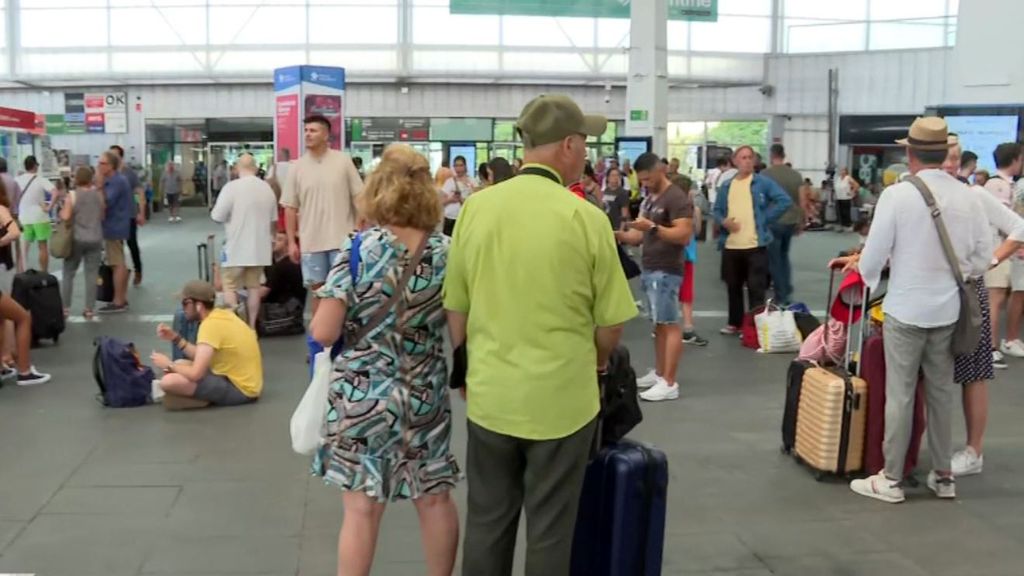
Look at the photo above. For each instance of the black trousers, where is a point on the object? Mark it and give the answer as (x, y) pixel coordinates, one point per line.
(133, 247)
(744, 268)
(844, 207)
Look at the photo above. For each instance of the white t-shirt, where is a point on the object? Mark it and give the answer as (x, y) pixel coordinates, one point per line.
(844, 188)
(30, 210)
(465, 187)
(247, 208)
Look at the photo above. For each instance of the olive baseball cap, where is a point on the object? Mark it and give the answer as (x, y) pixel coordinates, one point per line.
(199, 291)
(551, 117)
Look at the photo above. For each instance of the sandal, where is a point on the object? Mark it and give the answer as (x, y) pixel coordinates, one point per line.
(88, 314)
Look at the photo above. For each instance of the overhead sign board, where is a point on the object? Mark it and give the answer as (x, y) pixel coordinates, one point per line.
(693, 10)
(391, 129)
(96, 112)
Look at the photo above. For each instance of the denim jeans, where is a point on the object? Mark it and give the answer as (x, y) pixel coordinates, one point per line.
(778, 262)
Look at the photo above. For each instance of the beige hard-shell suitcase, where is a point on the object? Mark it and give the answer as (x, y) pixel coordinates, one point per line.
(831, 421)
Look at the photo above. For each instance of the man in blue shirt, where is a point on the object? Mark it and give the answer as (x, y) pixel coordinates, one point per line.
(116, 225)
(139, 198)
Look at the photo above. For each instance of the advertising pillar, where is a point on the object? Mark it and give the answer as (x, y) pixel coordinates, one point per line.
(302, 91)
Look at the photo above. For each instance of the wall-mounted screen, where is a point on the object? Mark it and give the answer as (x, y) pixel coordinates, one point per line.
(981, 135)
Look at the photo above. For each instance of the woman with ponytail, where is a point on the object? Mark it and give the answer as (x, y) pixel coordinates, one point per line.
(388, 418)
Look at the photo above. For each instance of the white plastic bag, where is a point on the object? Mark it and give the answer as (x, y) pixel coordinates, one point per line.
(308, 419)
(777, 331)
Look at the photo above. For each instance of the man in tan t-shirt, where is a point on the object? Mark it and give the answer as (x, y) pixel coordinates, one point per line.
(319, 200)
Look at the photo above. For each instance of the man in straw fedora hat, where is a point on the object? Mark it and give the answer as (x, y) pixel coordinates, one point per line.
(922, 302)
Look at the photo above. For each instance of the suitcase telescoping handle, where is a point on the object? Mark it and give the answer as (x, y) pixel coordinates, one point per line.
(203, 258)
(862, 330)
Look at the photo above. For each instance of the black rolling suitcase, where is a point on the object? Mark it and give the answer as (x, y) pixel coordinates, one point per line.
(105, 284)
(39, 293)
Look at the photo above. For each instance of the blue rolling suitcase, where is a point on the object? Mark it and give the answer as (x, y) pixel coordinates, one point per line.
(620, 527)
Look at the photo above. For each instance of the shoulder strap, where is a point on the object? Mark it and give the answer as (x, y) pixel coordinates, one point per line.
(354, 256)
(29, 183)
(534, 171)
(940, 226)
(396, 296)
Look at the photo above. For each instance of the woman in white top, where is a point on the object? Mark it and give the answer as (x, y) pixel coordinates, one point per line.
(455, 192)
(973, 370)
(846, 191)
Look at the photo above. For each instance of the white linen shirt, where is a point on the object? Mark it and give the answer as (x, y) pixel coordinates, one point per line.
(922, 290)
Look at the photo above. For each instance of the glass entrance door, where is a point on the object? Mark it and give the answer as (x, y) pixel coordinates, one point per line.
(222, 157)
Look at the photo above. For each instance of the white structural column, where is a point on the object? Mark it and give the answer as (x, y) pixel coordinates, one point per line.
(986, 67)
(647, 87)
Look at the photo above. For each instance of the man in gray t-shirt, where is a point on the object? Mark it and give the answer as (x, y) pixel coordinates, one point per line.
(664, 229)
(787, 226)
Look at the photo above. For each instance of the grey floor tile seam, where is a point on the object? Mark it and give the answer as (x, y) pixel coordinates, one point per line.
(302, 529)
(757, 556)
(63, 484)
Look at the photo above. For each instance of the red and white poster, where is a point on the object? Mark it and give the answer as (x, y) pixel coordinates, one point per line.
(287, 126)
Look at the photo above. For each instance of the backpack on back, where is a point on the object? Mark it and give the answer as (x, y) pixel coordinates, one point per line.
(122, 378)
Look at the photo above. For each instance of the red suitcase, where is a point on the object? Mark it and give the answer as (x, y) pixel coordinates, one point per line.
(873, 370)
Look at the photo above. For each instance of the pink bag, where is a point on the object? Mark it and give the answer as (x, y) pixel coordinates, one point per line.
(817, 348)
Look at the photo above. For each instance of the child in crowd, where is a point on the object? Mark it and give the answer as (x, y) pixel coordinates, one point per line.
(700, 204)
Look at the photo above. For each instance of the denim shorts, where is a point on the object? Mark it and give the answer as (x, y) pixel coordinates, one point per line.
(316, 266)
(661, 293)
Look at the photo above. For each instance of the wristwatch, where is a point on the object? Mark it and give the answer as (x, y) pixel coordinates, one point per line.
(654, 230)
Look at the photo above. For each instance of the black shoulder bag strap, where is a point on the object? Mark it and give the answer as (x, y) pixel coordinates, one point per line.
(535, 171)
(396, 298)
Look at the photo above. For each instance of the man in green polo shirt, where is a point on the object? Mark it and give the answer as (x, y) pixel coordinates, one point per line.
(535, 288)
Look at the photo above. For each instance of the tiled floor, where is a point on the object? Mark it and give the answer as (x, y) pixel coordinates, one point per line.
(92, 491)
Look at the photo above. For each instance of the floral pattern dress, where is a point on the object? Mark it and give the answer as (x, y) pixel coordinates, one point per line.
(388, 425)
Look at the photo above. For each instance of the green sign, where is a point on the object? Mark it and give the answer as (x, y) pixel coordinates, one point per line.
(694, 10)
(57, 124)
(638, 115)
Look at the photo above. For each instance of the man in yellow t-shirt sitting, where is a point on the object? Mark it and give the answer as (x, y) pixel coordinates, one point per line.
(224, 366)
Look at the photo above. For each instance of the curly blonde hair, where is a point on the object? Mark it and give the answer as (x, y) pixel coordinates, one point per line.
(400, 192)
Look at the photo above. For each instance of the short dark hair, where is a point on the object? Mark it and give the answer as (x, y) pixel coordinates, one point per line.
(318, 119)
(777, 151)
(588, 171)
(722, 161)
(118, 150)
(929, 157)
(1006, 154)
(616, 170)
(458, 158)
(664, 161)
(482, 170)
(31, 163)
(646, 161)
(358, 161)
(967, 158)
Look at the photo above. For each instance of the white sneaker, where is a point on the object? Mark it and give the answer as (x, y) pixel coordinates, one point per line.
(661, 391)
(650, 379)
(967, 462)
(177, 219)
(170, 219)
(998, 360)
(880, 488)
(943, 487)
(1013, 348)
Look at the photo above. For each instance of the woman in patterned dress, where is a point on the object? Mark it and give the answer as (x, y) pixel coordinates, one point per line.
(389, 419)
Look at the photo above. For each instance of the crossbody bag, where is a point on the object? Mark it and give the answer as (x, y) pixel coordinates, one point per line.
(967, 332)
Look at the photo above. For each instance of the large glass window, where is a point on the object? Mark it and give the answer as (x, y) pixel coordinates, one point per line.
(856, 25)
